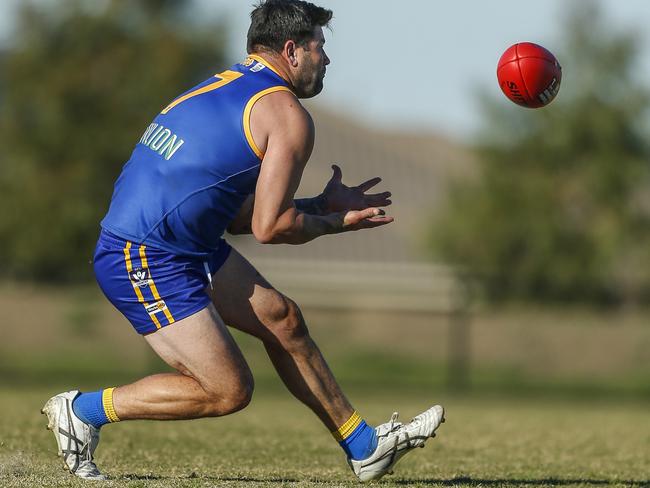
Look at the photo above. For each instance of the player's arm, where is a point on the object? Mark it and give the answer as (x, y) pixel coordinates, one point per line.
(287, 133)
(241, 224)
(335, 197)
(289, 141)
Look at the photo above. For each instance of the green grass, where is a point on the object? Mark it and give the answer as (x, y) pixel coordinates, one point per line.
(553, 399)
(486, 442)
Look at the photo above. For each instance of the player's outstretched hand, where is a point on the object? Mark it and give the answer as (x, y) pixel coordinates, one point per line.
(340, 197)
(365, 219)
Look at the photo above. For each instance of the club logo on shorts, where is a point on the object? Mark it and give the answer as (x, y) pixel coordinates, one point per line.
(140, 277)
(154, 308)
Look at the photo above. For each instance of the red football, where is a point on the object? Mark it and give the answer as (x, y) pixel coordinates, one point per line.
(529, 75)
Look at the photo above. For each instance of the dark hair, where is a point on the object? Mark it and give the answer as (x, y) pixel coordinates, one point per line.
(274, 22)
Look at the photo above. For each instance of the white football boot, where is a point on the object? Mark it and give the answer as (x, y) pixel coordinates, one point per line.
(76, 440)
(395, 439)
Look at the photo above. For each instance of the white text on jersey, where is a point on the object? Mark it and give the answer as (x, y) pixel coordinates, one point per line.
(161, 140)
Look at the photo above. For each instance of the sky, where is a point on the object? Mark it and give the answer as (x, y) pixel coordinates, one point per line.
(419, 65)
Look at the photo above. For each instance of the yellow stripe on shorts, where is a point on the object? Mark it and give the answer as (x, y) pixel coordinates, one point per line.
(152, 285)
(138, 292)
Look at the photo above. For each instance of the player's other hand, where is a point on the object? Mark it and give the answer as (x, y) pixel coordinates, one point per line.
(340, 197)
(365, 219)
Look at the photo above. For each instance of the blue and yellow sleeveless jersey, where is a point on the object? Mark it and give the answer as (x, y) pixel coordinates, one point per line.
(194, 165)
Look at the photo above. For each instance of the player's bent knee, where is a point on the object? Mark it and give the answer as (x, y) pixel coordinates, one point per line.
(286, 322)
(235, 397)
(237, 400)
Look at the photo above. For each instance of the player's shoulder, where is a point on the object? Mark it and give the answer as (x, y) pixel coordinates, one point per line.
(280, 120)
(284, 101)
(282, 108)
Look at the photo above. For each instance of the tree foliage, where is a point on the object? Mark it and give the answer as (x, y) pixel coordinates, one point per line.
(78, 86)
(560, 210)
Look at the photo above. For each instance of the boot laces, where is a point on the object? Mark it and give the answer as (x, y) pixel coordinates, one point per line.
(394, 424)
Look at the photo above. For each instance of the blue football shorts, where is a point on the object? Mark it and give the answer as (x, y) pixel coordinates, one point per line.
(151, 287)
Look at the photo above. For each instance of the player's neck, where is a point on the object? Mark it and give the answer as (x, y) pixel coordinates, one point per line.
(276, 63)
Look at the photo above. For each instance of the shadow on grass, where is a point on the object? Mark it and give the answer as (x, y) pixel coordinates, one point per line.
(464, 480)
(243, 479)
(461, 480)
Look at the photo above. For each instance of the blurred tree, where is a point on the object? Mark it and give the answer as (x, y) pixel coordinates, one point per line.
(80, 83)
(560, 209)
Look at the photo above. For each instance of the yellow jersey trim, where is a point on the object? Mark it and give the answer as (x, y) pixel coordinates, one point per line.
(266, 63)
(247, 116)
(225, 78)
(348, 427)
(107, 402)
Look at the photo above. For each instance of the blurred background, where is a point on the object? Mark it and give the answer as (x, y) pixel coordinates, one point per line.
(519, 261)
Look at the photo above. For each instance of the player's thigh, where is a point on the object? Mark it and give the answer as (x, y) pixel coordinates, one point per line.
(201, 346)
(247, 301)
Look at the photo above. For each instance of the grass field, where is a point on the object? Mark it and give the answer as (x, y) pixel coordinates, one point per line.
(277, 442)
(555, 398)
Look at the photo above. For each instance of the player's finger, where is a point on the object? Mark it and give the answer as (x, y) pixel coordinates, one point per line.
(374, 217)
(367, 185)
(353, 218)
(380, 219)
(377, 199)
(384, 194)
(378, 202)
(337, 173)
(376, 222)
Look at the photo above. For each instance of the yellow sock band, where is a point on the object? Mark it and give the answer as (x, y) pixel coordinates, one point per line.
(107, 402)
(347, 428)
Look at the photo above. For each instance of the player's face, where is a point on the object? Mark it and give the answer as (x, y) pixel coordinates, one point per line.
(311, 68)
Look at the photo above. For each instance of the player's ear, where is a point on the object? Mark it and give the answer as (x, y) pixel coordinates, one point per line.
(290, 53)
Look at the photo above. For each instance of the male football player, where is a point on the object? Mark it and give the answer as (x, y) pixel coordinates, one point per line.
(228, 155)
